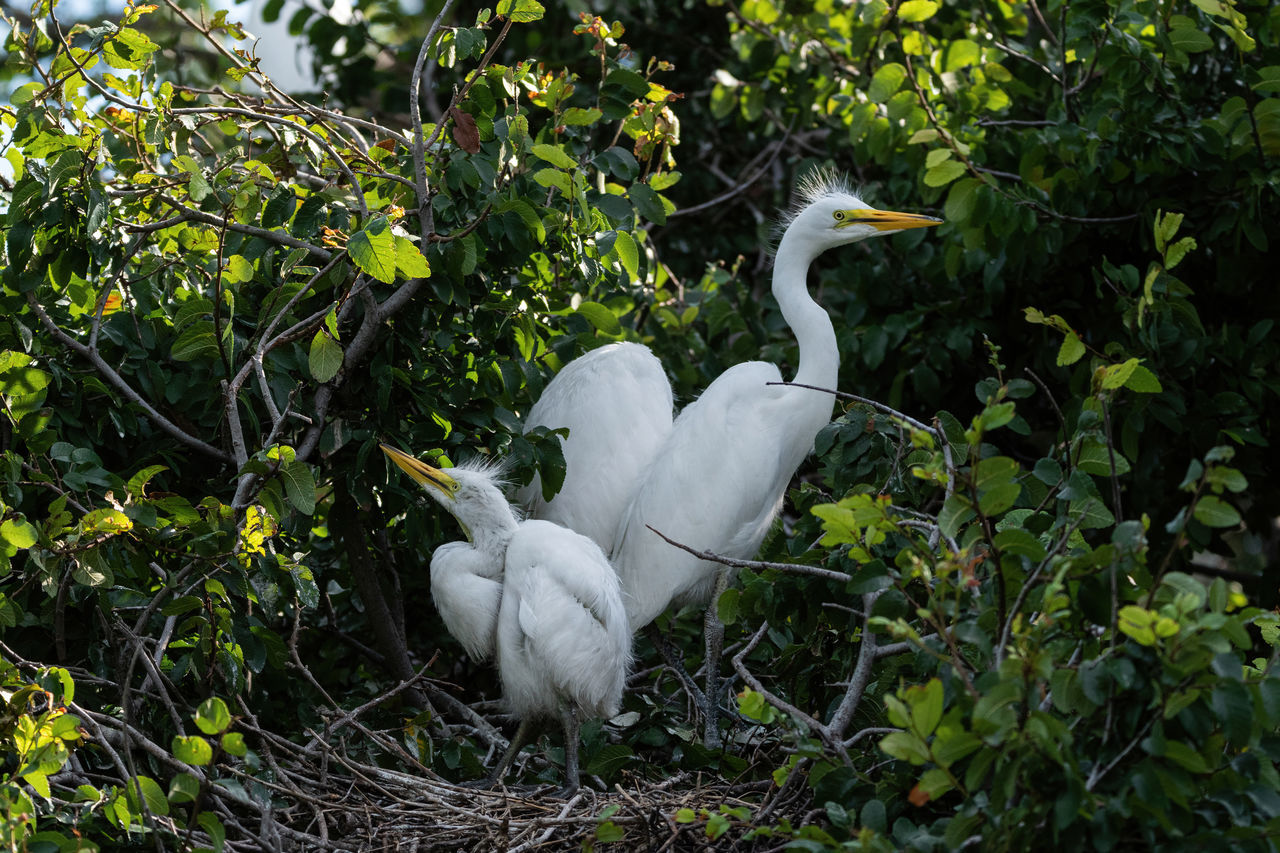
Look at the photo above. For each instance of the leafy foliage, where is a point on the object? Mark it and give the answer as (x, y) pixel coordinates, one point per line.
(218, 298)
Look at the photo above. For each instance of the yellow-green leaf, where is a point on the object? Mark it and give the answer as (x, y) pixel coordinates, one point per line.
(325, 357)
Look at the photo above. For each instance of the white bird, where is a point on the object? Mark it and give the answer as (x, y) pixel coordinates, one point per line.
(539, 595)
(718, 479)
(616, 402)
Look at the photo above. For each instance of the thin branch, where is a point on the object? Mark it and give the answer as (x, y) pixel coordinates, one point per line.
(791, 568)
(415, 114)
(741, 186)
(269, 234)
(118, 381)
(844, 395)
(310, 134)
(861, 672)
(781, 704)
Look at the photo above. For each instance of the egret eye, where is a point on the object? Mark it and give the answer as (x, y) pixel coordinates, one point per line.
(839, 215)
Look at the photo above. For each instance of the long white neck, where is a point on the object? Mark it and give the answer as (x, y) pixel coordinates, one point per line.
(819, 356)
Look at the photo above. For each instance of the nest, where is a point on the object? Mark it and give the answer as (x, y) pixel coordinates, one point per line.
(373, 809)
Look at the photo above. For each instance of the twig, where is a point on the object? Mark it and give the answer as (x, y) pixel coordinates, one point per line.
(792, 568)
(844, 395)
(118, 381)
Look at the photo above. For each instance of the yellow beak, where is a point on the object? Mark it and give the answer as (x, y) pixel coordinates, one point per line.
(886, 220)
(421, 472)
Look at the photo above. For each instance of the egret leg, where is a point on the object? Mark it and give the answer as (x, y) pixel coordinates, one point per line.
(713, 632)
(571, 775)
(519, 740)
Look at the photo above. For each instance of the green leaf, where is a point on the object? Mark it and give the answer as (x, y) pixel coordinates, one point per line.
(648, 203)
(239, 269)
(192, 749)
(325, 357)
(926, 707)
(299, 486)
(183, 788)
(914, 11)
(1214, 512)
(38, 780)
(943, 173)
(886, 81)
(1185, 757)
(961, 53)
(19, 533)
(555, 155)
(1186, 36)
(554, 178)
(628, 254)
(373, 249)
(600, 317)
(727, 606)
(1071, 351)
(409, 260)
(936, 156)
(138, 482)
(1019, 542)
(1116, 375)
(1175, 253)
(212, 716)
(1143, 381)
(962, 198)
(527, 216)
(905, 746)
(156, 801)
(609, 832)
(521, 11)
(996, 416)
(233, 744)
(577, 116)
(1136, 622)
(956, 510)
(197, 342)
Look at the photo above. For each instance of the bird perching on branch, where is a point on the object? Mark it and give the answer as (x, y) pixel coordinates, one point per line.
(716, 478)
(538, 596)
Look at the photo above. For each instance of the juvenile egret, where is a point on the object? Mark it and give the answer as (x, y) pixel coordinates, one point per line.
(547, 598)
(718, 478)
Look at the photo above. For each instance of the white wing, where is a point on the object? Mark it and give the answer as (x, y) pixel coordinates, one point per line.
(562, 631)
(717, 485)
(616, 402)
(467, 589)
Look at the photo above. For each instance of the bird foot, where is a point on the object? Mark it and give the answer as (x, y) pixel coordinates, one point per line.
(565, 792)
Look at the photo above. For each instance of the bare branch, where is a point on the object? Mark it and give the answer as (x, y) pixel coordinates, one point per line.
(118, 381)
(791, 568)
(844, 395)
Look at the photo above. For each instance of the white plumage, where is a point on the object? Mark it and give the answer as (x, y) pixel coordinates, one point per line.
(540, 596)
(714, 479)
(563, 637)
(616, 402)
(717, 479)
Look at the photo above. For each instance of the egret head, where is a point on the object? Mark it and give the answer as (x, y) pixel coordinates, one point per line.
(829, 214)
(471, 493)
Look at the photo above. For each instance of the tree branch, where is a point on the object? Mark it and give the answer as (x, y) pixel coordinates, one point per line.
(96, 359)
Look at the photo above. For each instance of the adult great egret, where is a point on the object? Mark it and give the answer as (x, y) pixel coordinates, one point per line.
(718, 478)
(616, 402)
(541, 596)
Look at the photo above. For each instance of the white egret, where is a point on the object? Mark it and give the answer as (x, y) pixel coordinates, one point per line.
(539, 595)
(616, 402)
(718, 479)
